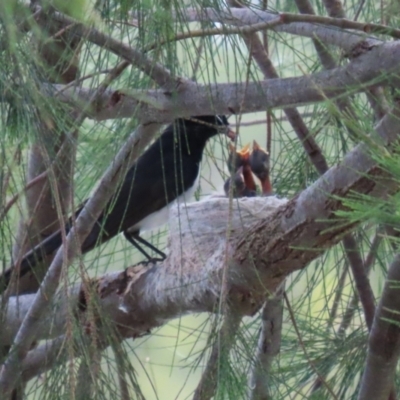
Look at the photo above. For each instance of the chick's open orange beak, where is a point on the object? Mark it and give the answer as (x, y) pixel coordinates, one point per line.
(244, 152)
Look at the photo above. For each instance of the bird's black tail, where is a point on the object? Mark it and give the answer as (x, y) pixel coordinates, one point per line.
(45, 248)
(32, 258)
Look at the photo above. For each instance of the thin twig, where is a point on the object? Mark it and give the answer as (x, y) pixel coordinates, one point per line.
(361, 280)
(154, 70)
(226, 16)
(268, 347)
(352, 305)
(81, 79)
(342, 23)
(12, 201)
(338, 295)
(196, 66)
(384, 341)
(310, 362)
(219, 354)
(217, 31)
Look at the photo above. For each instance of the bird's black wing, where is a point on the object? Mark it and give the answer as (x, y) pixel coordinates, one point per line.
(155, 180)
(149, 187)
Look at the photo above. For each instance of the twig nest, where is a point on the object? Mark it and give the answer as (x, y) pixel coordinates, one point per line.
(199, 231)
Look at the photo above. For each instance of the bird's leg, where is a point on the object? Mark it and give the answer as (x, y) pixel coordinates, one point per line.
(152, 247)
(134, 238)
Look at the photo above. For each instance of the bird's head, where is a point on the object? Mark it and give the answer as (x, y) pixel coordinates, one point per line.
(238, 158)
(211, 125)
(238, 182)
(259, 163)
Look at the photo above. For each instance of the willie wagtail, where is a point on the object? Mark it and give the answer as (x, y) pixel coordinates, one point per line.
(168, 170)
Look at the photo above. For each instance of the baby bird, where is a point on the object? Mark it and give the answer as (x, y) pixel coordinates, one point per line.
(239, 166)
(239, 185)
(259, 164)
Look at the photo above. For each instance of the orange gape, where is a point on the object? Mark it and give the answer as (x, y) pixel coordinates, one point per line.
(244, 154)
(266, 187)
(259, 164)
(241, 175)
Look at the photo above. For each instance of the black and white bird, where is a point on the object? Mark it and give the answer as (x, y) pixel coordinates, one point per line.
(166, 172)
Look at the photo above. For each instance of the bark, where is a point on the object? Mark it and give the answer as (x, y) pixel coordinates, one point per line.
(384, 341)
(269, 343)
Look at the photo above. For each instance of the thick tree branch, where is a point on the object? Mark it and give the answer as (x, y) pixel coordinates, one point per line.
(384, 341)
(376, 65)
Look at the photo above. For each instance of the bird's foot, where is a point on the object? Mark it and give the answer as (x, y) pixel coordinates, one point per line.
(152, 260)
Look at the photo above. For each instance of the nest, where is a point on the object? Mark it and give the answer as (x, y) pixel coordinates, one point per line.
(200, 231)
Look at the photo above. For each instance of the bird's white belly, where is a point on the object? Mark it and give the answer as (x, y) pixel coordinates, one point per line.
(160, 217)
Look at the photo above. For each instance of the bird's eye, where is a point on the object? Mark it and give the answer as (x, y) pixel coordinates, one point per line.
(222, 129)
(222, 124)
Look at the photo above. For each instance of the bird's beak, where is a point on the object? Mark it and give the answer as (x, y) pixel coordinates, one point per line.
(256, 146)
(245, 150)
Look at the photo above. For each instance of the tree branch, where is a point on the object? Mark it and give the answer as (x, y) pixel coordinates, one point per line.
(269, 343)
(376, 65)
(345, 40)
(384, 341)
